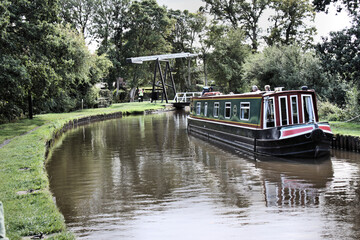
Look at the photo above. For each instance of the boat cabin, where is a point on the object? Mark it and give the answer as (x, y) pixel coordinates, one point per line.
(260, 110)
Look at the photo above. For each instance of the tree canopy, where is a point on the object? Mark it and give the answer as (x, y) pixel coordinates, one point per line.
(286, 66)
(351, 5)
(225, 63)
(289, 23)
(340, 53)
(45, 64)
(289, 20)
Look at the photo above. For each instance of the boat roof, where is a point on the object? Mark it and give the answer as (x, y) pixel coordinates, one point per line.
(258, 94)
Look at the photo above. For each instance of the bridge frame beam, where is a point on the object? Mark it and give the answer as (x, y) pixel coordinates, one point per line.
(163, 77)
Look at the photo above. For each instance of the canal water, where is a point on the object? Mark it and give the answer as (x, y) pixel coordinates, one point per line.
(144, 177)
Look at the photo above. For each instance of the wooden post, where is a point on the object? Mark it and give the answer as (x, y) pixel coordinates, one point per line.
(340, 142)
(162, 80)
(30, 104)
(153, 87)
(171, 77)
(118, 80)
(333, 142)
(189, 71)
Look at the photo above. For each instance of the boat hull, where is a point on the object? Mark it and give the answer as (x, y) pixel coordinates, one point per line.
(270, 142)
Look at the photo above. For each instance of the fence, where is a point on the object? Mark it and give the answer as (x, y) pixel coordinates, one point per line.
(185, 96)
(348, 143)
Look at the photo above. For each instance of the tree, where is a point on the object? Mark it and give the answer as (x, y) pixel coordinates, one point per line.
(43, 62)
(99, 68)
(187, 28)
(109, 27)
(351, 5)
(28, 23)
(4, 16)
(289, 23)
(286, 66)
(211, 34)
(340, 53)
(110, 23)
(57, 69)
(240, 13)
(149, 27)
(12, 77)
(252, 11)
(227, 59)
(79, 13)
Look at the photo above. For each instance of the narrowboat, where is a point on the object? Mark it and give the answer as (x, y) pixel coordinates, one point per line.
(277, 123)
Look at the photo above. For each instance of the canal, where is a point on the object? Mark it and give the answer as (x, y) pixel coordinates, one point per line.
(144, 177)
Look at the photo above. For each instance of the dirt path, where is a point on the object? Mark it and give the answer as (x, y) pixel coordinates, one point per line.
(7, 141)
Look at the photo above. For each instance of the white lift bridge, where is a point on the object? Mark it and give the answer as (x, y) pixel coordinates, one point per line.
(166, 78)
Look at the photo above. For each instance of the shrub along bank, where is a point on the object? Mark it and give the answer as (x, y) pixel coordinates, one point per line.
(24, 186)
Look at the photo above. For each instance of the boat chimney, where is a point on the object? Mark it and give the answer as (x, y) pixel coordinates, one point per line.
(304, 88)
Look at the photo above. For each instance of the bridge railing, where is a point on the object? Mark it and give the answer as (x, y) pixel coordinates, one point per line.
(185, 96)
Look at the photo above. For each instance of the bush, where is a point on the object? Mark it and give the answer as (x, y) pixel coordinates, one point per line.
(91, 96)
(9, 112)
(352, 104)
(62, 102)
(330, 112)
(123, 96)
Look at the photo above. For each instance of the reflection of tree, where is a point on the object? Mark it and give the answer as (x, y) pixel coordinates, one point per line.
(131, 161)
(220, 177)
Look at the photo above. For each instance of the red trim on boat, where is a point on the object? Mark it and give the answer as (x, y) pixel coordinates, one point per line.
(295, 131)
(326, 128)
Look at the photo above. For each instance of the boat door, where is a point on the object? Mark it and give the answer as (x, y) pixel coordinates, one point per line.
(269, 112)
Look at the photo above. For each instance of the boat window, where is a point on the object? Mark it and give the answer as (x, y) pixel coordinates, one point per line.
(245, 111)
(308, 109)
(205, 109)
(284, 119)
(198, 108)
(227, 110)
(216, 109)
(269, 113)
(294, 109)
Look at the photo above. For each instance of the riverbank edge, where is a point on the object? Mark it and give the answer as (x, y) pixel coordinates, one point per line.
(40, 195)
(74, 123)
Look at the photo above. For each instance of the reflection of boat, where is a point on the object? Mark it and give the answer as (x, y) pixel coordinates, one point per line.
(283, 182)
(279, 123)
(294, 184)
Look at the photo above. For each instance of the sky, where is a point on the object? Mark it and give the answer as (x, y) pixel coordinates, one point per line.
(323, 22)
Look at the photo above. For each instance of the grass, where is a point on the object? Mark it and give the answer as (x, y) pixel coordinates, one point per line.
(24, 186)
(343, 128)
(11, 130)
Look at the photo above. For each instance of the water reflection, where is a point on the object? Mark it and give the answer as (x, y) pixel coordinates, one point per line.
(144, 177)
(283, 182)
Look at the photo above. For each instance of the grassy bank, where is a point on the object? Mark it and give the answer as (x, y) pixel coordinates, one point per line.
(24, 186)
(347, 129)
